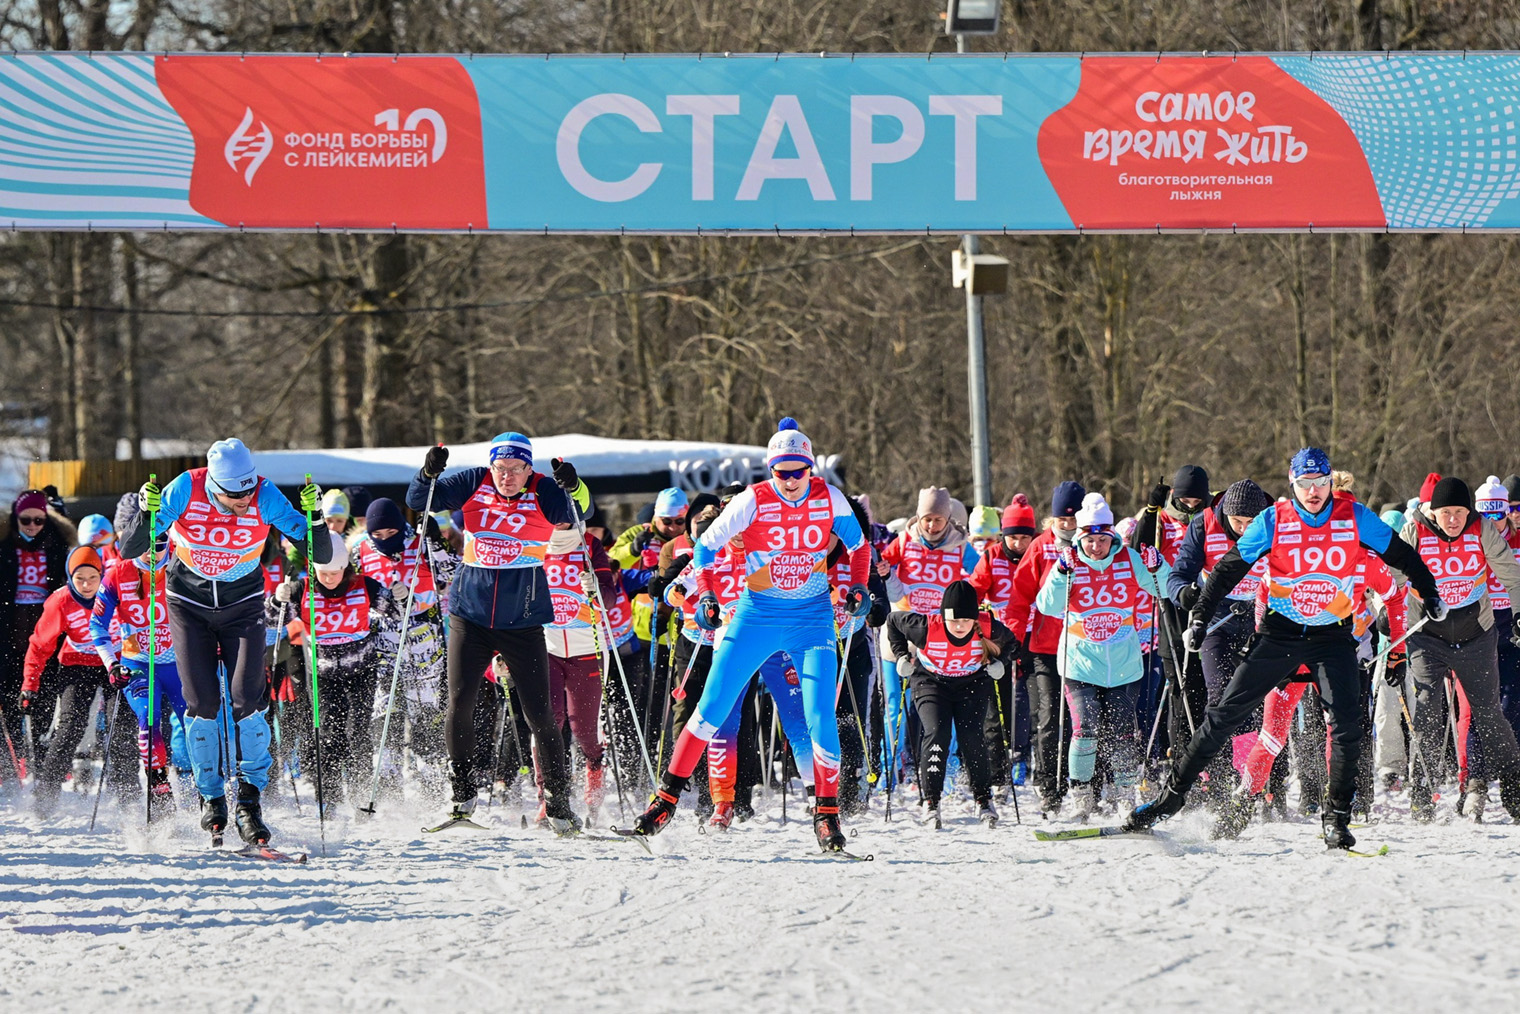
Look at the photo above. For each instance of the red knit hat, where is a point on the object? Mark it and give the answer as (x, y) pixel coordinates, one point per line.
(85, 556)
(1428, 487)
(1018, 517)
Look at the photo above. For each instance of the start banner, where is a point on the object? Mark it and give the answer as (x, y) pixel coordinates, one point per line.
(767, 143)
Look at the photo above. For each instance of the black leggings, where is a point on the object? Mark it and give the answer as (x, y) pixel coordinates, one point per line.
(76, 687)
(233, 636)
(962, 701)
(527, 657)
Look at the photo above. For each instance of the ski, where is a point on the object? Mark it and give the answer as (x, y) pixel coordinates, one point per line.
(1086, 832)
(628, 832)
(850, 856)
(1362, 855)
(268, 854)
(451, 822)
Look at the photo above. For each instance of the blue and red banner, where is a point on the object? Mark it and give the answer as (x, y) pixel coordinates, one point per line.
(760, 143)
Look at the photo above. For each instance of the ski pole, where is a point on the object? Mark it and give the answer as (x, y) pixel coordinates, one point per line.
(227, 729)
(152, 657)
(406, 626)
(844, 676)
(279, 709)
(678, 694)
(605, 624)
(522, 758)
(501, 731)
(604, 711)
(316, 703)
(10, 746)
(1061, 705)
(31, 747)
(612, 748)
(105, 758)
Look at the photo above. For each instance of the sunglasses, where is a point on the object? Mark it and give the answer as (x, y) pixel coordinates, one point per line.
(244, 495)
(32, 519)
(673, 522)
(789, 473)
(1322, 482)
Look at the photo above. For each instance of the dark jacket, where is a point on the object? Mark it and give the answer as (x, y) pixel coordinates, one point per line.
(905, 628)
(498, 599)
(57, 537)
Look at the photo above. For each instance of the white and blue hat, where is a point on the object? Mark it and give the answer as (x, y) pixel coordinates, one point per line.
(1309, 461)
(671, 503)
(511, 445)
(1492, 498)
(95, 529)
(229, 466)
(789, 444)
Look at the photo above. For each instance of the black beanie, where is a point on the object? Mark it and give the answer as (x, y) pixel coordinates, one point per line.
(1451, 492)
(1244, 499)
(1511, 486)
(1067, 499)
(1191, 481)
(959, 602)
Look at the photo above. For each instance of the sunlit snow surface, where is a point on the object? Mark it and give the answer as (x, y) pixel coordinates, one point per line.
(754, 920)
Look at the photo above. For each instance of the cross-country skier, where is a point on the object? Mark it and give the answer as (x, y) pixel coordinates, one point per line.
(220, 516)
(64, 631)
(500, 602)
(576, 568)
(95, 531)
(351, 610)
(388, 550)
(1500, 504)
(1100, 587)
(1007, 727)
(34, 549)
(1207, 538)
(1313, 544)
(786, 525)
(951, 666)
(123, 597)
(859, 666)
(1041, 636)
(1463, 551)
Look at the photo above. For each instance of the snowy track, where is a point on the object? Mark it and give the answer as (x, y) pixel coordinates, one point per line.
(964, 918)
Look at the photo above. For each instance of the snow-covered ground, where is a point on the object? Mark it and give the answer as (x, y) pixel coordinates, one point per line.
(964, 918)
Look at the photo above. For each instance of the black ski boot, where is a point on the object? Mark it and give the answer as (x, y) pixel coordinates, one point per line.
(1234, 815)
(562, 820)
(1422, 805)
(250, 816)
(1165, 805)
(214, 816)
(161, 795)
(826, 824)
(1509, 794)
(662, 806)
(744, 807)
(1337, 824)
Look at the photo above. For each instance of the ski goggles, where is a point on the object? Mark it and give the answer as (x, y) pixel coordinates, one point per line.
(790, 473)
(1093, 530)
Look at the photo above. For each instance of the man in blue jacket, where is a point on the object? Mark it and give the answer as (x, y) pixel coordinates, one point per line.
(500, 602)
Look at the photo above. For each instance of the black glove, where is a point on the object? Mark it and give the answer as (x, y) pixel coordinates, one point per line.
(564, 475)
(436, 461)
(27, 697)
(433, 533)
(662, 577)
(1187, 598)
(1159, 493)
(1393, 675)
(118, 678)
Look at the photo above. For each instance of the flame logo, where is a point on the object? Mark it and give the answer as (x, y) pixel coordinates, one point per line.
(254, 147)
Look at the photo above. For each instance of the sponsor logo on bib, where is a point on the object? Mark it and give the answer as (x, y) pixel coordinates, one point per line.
(790, 571)
(497, 552)
(1313, 595)
(212, 562)
(1099, 627)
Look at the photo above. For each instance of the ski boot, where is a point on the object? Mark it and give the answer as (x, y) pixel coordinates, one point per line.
(1167, 804)
(1234, 815)
(1083, 801)
(826, 824)
(744, 808)
(1050, 803)
(462, 790)
(723, 815)
(250, 816)
(160, 795)
(662, 806)
(1422, 805)
(556, 809)
(1509, 794)
(214, 817)
(1473, 800)
(930, 816)
(986, 812)
(1337, 828)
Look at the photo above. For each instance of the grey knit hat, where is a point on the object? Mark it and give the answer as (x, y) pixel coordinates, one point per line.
(1244, 499)
(934, 500)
